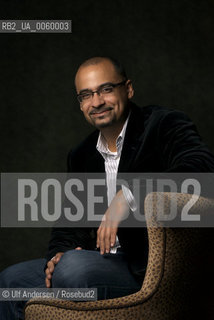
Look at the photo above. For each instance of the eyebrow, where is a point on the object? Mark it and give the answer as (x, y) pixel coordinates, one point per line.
(100, 86)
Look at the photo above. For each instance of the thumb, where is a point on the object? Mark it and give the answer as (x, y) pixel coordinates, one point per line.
(58, 256)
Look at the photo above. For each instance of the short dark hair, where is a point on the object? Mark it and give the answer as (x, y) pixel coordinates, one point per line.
(116, 63)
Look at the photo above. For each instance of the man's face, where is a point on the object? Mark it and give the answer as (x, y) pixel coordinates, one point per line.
(106, 109)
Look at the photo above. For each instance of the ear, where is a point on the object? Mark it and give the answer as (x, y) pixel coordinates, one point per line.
(130, 89)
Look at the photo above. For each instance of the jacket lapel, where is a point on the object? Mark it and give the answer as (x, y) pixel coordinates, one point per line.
(133, 138)
(95, 163)
(94, 160)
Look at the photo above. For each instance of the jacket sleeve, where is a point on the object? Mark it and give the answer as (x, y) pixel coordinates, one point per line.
(180, 146)
(67, 238)
(180, 150)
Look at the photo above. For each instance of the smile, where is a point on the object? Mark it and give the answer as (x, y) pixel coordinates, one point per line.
(99, 113)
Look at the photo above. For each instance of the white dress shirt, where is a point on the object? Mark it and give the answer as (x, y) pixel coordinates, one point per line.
(112, 160)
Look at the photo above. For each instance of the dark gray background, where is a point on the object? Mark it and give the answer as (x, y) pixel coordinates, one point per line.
(166, 46)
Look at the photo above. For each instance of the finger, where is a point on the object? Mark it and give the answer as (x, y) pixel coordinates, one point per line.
(102, 241)
(57, 257)
(113, 237)
(107, 239)
(98, 235)
(78, 248)
(49, 276)
(47, 283)
(47, 271)
(51, 266)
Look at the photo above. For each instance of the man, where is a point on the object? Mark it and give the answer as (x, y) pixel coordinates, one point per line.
(104, 93)
(127, 139)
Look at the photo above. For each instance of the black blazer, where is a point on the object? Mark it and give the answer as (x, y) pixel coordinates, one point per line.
(157, 139)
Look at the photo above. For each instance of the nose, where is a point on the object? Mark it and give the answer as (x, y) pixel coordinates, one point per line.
(97, 100)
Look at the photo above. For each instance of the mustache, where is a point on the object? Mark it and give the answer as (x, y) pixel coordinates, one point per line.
(100, 110)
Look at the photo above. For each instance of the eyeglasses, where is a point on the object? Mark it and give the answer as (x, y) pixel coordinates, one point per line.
(102, 90)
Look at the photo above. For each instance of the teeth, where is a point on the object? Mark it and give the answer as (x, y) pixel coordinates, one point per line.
(101, 112)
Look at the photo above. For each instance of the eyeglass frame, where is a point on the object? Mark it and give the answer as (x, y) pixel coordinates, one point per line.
(114, 85)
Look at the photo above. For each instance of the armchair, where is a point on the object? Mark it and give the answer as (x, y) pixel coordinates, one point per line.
(173, 283)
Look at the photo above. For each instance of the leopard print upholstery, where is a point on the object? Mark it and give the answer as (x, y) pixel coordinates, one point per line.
(167, 290)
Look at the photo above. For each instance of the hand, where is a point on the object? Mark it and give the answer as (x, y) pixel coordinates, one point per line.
(50, 268)
(51, 265)
(116, 212)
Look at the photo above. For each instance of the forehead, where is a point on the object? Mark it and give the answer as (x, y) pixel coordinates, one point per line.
(92, 76)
